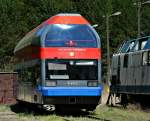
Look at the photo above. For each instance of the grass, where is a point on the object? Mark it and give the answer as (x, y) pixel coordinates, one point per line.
(120, 114)
(4, 108)
(102, 113)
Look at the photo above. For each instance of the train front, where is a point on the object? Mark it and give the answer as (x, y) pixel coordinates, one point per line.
(71, 62)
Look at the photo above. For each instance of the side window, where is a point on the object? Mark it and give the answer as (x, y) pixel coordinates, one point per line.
(32, 74)
(142, 44)
(145, 58)
(27, 74)
(136, 47)
(125, 61)
(147, 45)
(37, 75)
(19, 75)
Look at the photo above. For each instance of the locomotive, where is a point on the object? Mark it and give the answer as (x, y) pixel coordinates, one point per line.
(130, 69)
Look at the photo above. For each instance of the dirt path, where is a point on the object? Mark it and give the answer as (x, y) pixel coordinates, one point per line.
(11, 116)
(8, 116)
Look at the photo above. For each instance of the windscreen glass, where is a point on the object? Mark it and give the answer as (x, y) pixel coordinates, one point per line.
(74, 35)
(127, 46)
(71, 70)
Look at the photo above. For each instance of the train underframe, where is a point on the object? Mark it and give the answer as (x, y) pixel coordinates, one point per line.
(73, 102)
(65, 103)
(120, 96)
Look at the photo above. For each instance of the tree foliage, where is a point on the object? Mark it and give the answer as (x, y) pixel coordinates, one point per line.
(17, 17)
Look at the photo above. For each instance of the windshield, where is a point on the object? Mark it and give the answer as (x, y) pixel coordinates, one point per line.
(71, 70)
(74, 35)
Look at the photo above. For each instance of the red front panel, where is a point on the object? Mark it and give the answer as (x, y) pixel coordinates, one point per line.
(70, 53)
(59, 53)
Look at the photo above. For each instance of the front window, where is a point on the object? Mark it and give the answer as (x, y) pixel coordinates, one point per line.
(71, 70)
(63, 35)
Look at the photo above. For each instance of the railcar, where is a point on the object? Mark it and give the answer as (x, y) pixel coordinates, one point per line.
(130, 69)
(59, 63)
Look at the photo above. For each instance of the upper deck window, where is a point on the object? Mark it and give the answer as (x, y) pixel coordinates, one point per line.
(74, 35)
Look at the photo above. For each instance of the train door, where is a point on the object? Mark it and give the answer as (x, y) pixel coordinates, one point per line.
(123, 70)
(115, 69)
(118, 71)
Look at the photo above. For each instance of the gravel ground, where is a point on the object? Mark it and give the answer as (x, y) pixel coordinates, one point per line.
(102, 113)
(8, 116)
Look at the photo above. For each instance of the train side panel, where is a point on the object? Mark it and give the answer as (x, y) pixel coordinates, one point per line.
(134, 77)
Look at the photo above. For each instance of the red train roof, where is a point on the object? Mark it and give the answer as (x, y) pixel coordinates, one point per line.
(57, 19)
(67, 19)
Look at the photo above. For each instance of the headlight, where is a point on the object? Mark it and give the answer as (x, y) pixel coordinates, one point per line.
(51, 83)
(92, 84)
(83, 63)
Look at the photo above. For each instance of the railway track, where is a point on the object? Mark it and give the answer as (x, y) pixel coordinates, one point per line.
(102, 113)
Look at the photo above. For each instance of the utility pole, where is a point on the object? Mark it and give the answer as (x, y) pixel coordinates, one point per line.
(139, 18)
(108, 49)
(139, 5)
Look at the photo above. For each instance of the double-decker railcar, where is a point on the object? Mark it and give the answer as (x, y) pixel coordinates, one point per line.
(130, 69)
(59, 63)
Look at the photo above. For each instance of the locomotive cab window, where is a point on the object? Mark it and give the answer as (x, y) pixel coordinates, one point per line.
(131, 45)
(127, 46)
(147, 45)
(141, 44)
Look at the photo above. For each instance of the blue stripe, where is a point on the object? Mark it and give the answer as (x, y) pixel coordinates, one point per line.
(70, 91)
